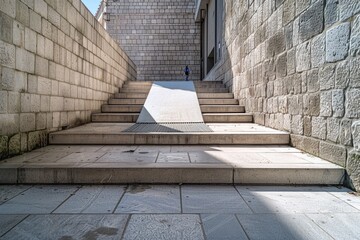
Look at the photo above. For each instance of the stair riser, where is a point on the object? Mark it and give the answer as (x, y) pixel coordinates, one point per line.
(118, 118)
(169, 139)
(130, 95)
(222, 109)
(227, 119)
(215, 95)
(218, 102)
(199, 90)
(127, 101)
(121, 108)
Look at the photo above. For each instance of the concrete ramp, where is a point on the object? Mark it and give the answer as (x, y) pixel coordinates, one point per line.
(171, 106)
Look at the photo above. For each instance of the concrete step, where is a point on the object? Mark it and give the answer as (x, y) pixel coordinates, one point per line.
(218, 101)
(227, 117)
(130, 95)
(222, 109)
(212, 90)
(115, 117)
(113, 133)
(134, 90)
(126, 101)
(215, 95)
(121, 108)
(198, 89)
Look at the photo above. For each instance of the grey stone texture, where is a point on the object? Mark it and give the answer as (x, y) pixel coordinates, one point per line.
(337, 42)
(161, 37)
(55, 60)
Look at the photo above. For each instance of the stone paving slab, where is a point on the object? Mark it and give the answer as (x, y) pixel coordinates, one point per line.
(271, 212)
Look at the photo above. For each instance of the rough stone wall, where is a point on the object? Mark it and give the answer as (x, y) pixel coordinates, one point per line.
(161, 37)
(57, 65)
(296, 66)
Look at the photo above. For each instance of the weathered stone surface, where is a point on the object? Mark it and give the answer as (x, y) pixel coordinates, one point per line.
(14, 145)
(8, 7)
(3, 101)
(7, 55)
(333, 153)
(327, 77)
(355, 37)
(3, 147)
(312, 104)
(41, 8)
(295, 104)
(7, 79)
(348, 8)
(275, 45)
(333, 126)
(303, 59)
(37, 139)
(342, 74)
(14, 102)
(9, 124)
(318, 50)
(353, 169)
(326, 104)
(307, 144)
(288, 12)
(297, 124)
(338, 103)
(331, 11)
(22, 13)
(301, 5)
(25, 61)
(353, 103)
(281, 65)
(30, 43)
(313, 84)
(355, 72)
(356, 135)
(307, 126)
(319, 127)
(345, 132)
(6, 28)
(27, 122)
(311, 21)
(337, 42)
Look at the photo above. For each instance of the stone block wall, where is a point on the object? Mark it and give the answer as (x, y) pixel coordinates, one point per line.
(296, 66)
(57, 65)
(161, 37)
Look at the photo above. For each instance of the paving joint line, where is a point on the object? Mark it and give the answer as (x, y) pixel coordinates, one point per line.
(72, 194)
(121, 197)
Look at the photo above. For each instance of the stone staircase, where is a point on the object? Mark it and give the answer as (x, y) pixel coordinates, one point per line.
(217, 104)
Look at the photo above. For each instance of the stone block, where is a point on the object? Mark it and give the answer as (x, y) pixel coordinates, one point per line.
(40, 121)
(348, 8)
(318, 50)
(40, 48)
(35, 21)
(356, 135)
(20, 81)
(18, 34)
(288, 12)
(22, 13)
(275, 45)
(312, 104)
(56, 103)
(30, 43)
(35, 103)
(54, 17)
(353, 169)
(3, 101)
(7, 79)
(281, 65)
(7, 55)
(41, 8)
(27, 122)
(326, 104)
(8, 7)
(32, 84)
(327, 77)
(318, 127)
(337, 42)
(353, 103)
(313, 84)
(44, 86)
(15, 145)
(25, 100)
(49, 49)
(333, 153)
(25, 61)
(355, 37)
(355, 72)
(45, 104)
(333, 126)
(3, 147)
(6, 28)
(345, 132)
(342, 75)
(64, 89)
(297, 124)
(303, 58)
(306, 144)
(9, 124)
(291, 61)
(14, 102)
(295, 104)
(311, 21)
(41, 66)
(64, 119)
(331, 12)
(36, 139)
(301, 5)
(307, 126)
(338, 101)
(55, 87)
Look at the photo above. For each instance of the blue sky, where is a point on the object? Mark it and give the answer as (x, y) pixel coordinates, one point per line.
(92, 5)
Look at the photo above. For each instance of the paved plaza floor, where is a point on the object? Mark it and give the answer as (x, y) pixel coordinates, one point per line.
(178, 212)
